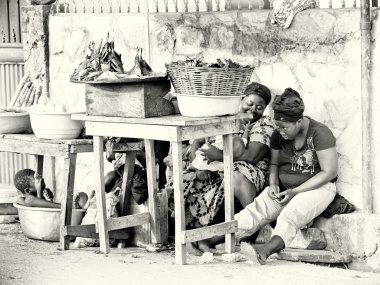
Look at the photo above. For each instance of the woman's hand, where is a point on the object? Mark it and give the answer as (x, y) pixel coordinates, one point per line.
(212, 153)
(273, 191)
(204, 175)
(285, 196)
(194, 147)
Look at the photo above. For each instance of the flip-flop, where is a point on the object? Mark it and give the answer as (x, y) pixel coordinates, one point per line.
(250, 252)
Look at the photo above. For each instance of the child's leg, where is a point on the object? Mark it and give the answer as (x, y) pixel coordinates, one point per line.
(110, 180)
(32, 201)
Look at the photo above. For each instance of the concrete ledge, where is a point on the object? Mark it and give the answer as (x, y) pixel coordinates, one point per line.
(355, 234)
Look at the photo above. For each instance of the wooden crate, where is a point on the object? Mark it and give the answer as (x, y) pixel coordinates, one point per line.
(136, 99)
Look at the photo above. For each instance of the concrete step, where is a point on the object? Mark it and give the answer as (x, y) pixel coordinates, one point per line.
(314, 256)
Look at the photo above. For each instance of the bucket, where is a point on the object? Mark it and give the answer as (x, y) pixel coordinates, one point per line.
(44, 223)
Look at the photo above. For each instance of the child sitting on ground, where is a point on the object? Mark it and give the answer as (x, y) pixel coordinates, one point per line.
(35, 194)
(33, 188)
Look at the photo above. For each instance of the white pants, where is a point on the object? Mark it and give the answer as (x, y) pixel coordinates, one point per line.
(300, 211)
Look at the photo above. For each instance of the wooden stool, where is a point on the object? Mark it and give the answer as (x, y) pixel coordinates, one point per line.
(116, 227)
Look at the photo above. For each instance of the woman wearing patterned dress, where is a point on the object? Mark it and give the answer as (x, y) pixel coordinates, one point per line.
(203, 189)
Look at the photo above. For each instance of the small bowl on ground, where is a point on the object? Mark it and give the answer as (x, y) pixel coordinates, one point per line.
(44, 223)
(55, 125)
(14, 123)
(208, 106)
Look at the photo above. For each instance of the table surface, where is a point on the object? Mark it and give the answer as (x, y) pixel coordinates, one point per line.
(33, 138)
(172, 120)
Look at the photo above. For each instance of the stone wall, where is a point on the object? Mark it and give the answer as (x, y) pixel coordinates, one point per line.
(319, 56)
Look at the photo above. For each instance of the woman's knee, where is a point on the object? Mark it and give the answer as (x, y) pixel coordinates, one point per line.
(239, 181)
(292, 217)
(244, 189)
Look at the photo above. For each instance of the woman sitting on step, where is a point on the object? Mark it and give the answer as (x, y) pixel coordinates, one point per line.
(303, 172)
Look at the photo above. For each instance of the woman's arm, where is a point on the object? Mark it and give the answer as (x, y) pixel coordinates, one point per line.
(274, 184)
(195, 146)
(328, 160)
(254, 152)
(273, 168)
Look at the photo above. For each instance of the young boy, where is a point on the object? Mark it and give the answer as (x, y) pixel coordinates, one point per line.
(33, 188)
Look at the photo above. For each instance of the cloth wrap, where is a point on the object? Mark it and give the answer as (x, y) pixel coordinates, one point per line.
(288, 107)
(260, 90)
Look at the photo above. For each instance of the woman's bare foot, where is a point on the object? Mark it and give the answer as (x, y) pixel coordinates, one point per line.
(256, 254)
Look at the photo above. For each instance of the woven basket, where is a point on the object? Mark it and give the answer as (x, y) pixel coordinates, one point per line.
(209, 80)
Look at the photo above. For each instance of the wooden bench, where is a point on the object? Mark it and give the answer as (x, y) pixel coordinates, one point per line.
(175, 129)
(41, 148)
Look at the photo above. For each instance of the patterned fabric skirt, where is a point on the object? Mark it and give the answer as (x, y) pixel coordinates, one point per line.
(203, 198)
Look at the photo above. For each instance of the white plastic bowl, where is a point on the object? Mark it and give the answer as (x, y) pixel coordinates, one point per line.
(44, 223)
(208, 106)
(47, 125)
(14, 123)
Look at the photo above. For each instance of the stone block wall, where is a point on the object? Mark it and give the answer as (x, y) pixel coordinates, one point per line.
(319, 56)
(35, 41)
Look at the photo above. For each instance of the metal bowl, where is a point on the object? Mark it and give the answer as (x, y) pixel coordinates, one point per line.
(14, 123)
(44, 223)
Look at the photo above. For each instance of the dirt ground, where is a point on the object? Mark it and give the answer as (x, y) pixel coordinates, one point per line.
(25, 261)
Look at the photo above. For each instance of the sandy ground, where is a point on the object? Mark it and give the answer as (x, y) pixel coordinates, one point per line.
(25, 261)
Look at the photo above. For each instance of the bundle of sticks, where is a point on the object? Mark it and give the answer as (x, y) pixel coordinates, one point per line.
(26, 94)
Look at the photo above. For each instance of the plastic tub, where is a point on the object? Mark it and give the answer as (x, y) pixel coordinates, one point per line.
(44, 223)
(208, 106)
(14, 123)
(47, 125)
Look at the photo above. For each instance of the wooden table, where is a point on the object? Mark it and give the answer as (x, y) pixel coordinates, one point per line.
(40, 148)
(175, 129)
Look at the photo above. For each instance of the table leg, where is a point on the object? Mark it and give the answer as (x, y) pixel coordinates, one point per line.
(39, 170)
(228, 189)
(180, 248)
(51, 174)
(39, 160)
(152, 193)
(67, 199)
(125, 195)
(100, 194)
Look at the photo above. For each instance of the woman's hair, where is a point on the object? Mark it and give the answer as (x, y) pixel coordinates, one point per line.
(23, 179)
(260, 90)
(288, 107)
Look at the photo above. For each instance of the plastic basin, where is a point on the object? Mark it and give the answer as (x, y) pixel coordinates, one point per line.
(55, 125)
(44, 223)
(14, 123)
(208, 106)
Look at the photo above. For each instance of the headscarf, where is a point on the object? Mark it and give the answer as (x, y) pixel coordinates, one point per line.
(289, 106)
(260, 90)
